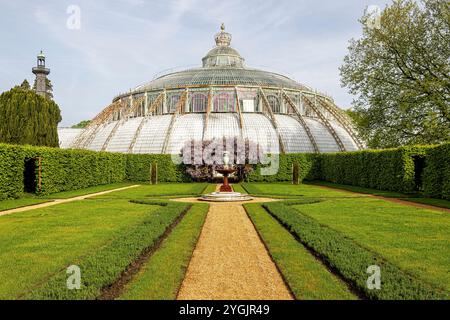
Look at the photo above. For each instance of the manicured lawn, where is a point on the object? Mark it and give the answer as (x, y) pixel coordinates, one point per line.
(238, 188)
(307, 277)
(375, 192)
(210, 188)
(168, 190)
(21, 202)
(388, 194)
(38, 245)
(81, 192)
(417, 240)
(432, 202)
(161, 276)
(287, 190)
(28, 199)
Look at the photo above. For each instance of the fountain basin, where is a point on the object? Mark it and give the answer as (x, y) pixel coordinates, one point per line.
(226, 197)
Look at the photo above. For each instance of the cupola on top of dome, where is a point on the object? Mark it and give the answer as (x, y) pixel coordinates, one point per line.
(223, 38)
(223, 55)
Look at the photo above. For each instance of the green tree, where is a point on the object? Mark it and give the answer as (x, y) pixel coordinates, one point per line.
(25, 85)
(400, 73)
(81, 124)
(28, 118)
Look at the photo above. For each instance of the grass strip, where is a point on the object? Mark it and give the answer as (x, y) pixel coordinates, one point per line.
(210, 188)
(162, 275)
(86, 191)
(441, 203)
(307, 277)
(20, 203)
(416, 197)
(103, 267)
(351, 260)
(238, 188)
(356, 189)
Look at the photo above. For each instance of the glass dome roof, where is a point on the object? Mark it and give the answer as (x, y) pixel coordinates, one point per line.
(222, 65)
(221, 99)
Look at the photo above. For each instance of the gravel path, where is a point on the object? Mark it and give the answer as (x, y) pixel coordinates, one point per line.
(230, 262)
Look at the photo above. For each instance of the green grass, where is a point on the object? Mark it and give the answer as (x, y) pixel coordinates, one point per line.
(85, 191)
(210, 188)
(287, 190)
(307, 277)
(161, 276)
(431, 202)
(38, 243)
(388, 194)
(29, 199)
(37, 246)
(19, 203)
(417, 240)
(375, 192)
(351, 259)
(168, 190)
(238, 188)
(104, 266)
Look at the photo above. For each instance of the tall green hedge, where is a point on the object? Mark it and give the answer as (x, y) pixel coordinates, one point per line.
(390, 169)
(138, 168)
(309, 168)
(63, 170)
(436, 176)
(11, 171)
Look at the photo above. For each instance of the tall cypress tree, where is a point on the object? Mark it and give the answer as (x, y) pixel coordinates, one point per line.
(28, 118)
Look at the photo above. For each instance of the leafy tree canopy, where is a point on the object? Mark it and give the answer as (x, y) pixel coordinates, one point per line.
(82, 124)
(28, 118)
(399, 70)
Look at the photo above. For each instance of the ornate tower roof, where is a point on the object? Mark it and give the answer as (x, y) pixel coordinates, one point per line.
(223, 55)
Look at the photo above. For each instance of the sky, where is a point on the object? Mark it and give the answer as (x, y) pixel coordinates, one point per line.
(116, 45)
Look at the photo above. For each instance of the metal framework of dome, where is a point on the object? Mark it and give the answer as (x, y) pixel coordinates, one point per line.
(223, 98)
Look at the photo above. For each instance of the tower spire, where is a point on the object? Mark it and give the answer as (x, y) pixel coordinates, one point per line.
(41, 83)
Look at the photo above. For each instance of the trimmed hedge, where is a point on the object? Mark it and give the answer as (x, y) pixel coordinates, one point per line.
(350, 259)
(12, 165)
(436, 176)
(390, 169)
(139, 165)
(64, 170)
(309, 168)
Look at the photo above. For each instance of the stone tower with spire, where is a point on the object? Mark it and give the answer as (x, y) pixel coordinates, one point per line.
(41, 83)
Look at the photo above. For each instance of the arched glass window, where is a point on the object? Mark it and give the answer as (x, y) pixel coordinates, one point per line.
(172, 102)
(199, 102)
(224, 102)
(274, 104)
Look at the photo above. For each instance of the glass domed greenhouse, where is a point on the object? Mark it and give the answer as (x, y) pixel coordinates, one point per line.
(221, 99)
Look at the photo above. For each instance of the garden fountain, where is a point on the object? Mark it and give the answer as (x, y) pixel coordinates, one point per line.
(226, 193)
